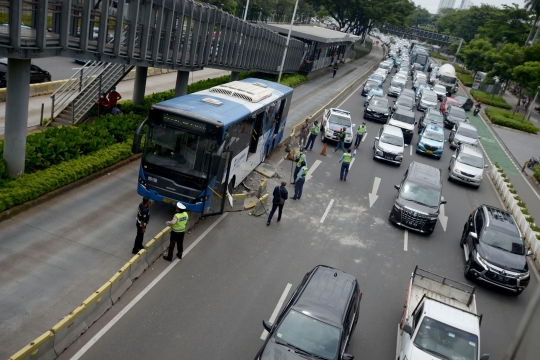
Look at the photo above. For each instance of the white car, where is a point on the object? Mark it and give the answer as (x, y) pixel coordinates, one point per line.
(467, 165)
(401, 76)
(333, 122)
(382, 72)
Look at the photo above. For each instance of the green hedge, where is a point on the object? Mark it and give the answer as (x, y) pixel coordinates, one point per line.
(438, 56)
(467, 80)
(537, 173)
(31, 186)
(490, 99)
(514, 121)
(361, 51)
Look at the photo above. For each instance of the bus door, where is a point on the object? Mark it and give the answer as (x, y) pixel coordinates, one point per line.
(256, 133)
(216, 188)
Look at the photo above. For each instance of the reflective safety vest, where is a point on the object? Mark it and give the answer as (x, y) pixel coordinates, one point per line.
(314, 130)
(301, 160)
(347, 157)
(305, 168)
(342, 135)
(181, 221)
(361, 130)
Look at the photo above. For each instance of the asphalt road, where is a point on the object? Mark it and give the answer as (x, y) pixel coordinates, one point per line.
(61, 68)
(210, 304)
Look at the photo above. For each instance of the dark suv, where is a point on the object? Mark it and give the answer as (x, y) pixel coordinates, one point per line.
(37, 74)
(318, 320)
(418, 199)
(494, 249)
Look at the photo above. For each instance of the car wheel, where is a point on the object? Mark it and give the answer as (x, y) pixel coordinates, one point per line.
(467, 271)
(517, 293)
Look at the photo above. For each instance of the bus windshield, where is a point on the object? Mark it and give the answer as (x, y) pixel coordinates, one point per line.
(179, 150)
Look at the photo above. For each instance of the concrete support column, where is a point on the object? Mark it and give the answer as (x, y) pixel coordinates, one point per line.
(140, 84)
(182, 78)
(235, 75)
(17, 93)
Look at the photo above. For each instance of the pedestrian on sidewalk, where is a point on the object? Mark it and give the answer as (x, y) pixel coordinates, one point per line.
(335, 70)
(178, 229)
(313, 135)
(341, 141)
(103, 104)
(113, 97)
(360, 134)
(299, 183)
(280, 195)
(304, 132)
(345, 161)
(143, 216)
(300, 159)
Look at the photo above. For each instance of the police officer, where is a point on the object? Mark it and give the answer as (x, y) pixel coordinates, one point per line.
(313, 134)
(143, 216)
(360, 134)
(178, 227)
(299, 184)
(341, 142)
(345, 161)
(300, 159)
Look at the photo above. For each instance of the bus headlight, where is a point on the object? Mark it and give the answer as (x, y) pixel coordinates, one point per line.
(142, 181)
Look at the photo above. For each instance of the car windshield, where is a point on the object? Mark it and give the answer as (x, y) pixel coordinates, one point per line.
(458, 112)
(439, 88)
(405, 100)
(420, 81)
(403, 118)
(392, 140)
(470, 133)
(434, 118)
(380, 71)
(379, 102)
(429, 97)
(371, 83)
(398, 84)
(420, 194)
(340, 120)
(309, 334)
(503, 241)
(377, 76)
(434, 135)
(446, 342)
(471, 160)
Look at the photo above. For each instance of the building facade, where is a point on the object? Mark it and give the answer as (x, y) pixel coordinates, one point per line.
(466, 4)
(443, 4)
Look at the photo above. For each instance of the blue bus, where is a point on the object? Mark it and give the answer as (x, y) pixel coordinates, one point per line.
(199, 146)
(420, 56)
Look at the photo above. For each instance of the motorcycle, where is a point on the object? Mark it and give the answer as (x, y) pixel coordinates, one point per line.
(477, 109)
(532, 163)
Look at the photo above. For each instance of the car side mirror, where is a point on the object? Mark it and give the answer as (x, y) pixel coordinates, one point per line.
(397, 187)
(376, 138)
(267, 325)
(473, 235)
(365, 104)
(484, 357)
(416, 122)
(454, 156)
(408, 329)
(443, 202)
(406, 145)
(485, 166)
(530, 253)
(347, 357)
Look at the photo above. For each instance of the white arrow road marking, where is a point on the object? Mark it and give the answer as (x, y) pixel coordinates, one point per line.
(327, 210)
(310, 171)
(373, 195)
(350, 165)
(276, 310)
(443, 218)
(406, 240)
(410, 150)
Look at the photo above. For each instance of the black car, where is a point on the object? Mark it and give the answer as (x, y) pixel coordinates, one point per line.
(430, 116)
(403, 102)
(418, 200)
(368, 85)
(453, 115)
(37, 74)
(318, 320)
(377, 109)
(494, 249)
(464, 102)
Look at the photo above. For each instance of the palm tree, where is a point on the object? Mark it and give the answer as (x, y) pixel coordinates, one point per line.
(534, 6)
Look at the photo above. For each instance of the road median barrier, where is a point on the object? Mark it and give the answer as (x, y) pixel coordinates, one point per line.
(238, 202)
(137, 265)
(97, 303)
(154, 248)
(41, 348)
(69, 329)
(260, 205)
(120, 282)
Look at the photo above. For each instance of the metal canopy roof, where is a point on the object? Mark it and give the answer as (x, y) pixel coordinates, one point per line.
(314, 33)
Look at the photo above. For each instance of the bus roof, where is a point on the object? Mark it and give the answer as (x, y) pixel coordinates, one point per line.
(221, 108)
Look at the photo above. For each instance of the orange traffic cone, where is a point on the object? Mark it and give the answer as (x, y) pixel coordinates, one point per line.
(323, 152)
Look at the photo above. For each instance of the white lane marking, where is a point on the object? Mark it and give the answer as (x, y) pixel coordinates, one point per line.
(410, 150)
(442, 217)
(276, 310)
(406, 240)
(350, 165)
(327, 210)
(365, 136)
(280, 161)
(310, 171)
(133, 302)
(373, 194)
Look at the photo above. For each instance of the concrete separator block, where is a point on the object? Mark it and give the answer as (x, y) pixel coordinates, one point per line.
(69, 329)
(261, 206)
(120, 282)
(261, 190)
(238, 203)
(138, 265)
(154, 249)
(40, 349)
(98, 303)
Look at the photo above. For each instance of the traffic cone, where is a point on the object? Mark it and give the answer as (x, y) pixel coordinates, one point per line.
(323, 152)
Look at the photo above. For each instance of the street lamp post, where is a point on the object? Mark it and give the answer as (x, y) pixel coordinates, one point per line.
(245, 13)
(287, 43)
(531, 105)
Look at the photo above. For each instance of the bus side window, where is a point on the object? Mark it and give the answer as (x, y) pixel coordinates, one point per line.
(279, 115)
(240, 135)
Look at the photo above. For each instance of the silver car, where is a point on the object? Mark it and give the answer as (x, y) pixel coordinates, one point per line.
(463, 133)
(428, 99)
(467, 165)
(389, 144)
(396, 86)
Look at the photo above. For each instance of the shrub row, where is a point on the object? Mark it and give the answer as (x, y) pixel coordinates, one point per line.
(467, 80)
(537, 173)
(490, 99)
(438, 56)
(31, 186)
(514, 121)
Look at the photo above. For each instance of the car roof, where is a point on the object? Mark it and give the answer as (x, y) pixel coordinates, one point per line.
(340, 112)
(393, 130)
(425, 174)
(326, 295)
(404, 112)
(435, 128)
(471, 150)
(501, 220)
(465, 125)
(457, 108)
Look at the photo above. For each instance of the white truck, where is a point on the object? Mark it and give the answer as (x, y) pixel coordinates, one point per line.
(447, 78)
(439, 320)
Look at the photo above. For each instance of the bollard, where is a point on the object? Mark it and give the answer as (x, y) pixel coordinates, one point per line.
(41, 118)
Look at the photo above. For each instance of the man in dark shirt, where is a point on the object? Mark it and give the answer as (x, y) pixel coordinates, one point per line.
(143, 216)
(280, 195)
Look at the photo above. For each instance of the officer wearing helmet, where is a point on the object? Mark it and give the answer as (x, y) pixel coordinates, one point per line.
(360, 134)
(178, 229)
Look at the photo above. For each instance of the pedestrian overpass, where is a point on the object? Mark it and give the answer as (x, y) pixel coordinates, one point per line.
(418, 33)
(181, 35)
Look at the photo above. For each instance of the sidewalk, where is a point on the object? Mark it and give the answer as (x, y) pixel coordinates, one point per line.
(54, 255)
(513, 99)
